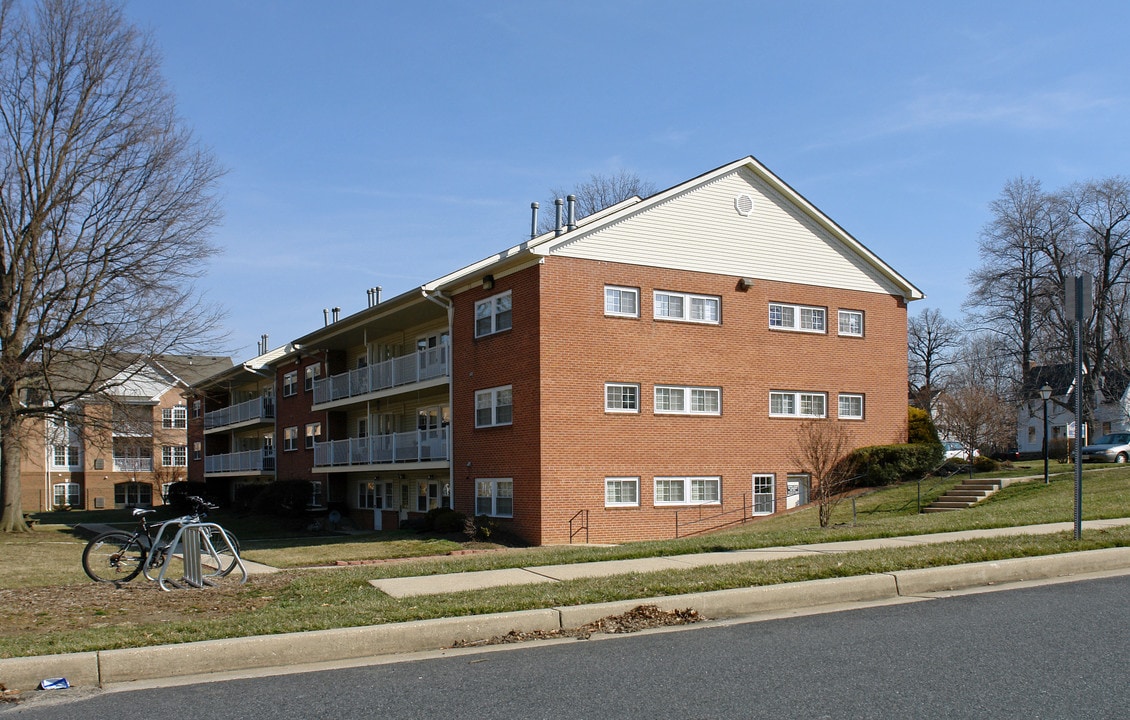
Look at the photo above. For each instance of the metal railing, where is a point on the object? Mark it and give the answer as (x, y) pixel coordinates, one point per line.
(260, 408)
(705, 523)
(414, 446)
(582, 520)
(405, 370)
(133, 464)
(247, 461)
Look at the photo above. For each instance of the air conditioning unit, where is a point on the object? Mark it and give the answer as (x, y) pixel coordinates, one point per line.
(99, 503)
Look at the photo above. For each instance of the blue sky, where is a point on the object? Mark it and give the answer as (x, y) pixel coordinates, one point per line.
(387, 143)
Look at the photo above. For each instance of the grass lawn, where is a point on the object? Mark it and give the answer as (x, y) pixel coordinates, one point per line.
(47, 605)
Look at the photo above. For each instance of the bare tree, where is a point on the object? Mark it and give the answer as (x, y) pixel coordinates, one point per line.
(932, 341)
(976, 417)
(595, 194)
(823, 449)
(105, 206)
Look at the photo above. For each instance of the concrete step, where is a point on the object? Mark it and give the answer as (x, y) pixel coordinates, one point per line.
(950, 505)
(934, 509)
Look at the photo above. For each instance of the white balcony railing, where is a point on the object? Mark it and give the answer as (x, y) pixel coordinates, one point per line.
(262, 460)
(404, 370)
(133, 464)
(415, 446)
(260, 408)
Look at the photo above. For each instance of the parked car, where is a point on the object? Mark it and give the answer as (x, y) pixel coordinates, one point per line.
(956, 451)
(1114, 447)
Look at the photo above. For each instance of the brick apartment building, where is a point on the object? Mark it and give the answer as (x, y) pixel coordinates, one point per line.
(119, 446)
(637, 373)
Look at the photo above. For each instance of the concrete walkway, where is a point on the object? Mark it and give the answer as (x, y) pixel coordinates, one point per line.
(455, 582)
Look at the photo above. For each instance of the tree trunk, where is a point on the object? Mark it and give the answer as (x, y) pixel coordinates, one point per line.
(12, 515)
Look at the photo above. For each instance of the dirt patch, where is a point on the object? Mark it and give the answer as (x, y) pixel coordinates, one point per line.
(642, 617)
(99, 605)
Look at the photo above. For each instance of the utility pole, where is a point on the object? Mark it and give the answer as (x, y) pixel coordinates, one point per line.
(1079, 303)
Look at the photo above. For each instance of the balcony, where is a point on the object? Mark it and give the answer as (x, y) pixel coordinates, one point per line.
(134, 464)
(257, 410)
(415, 446)
(405, 370)
(248, 461)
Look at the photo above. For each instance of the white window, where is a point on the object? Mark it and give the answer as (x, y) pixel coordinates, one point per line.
(621, 301)
(290, 438)
(196, 450)
(133, 494)
(688, 490)
(764, 494)
(621, 492)
(797, 404)
(66, 456)
(290, 383)
(493, 314)
(800, 318)
(851, 406)
(313, 432)
(313, 372)
(174, 417)
(494, 407)
(375, 495)
(494, 497)
(671, 399)
(196, 408)
(688, 308)
(621, 397)
(66, 494)
(851, 323)
(174, 455)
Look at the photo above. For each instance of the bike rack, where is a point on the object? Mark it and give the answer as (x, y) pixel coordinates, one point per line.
(195, 544)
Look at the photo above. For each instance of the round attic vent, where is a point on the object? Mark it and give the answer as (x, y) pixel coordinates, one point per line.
(744, 205)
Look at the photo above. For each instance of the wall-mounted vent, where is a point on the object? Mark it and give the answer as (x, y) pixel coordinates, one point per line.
(744, 205)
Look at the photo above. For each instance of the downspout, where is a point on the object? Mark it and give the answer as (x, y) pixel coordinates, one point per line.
(445, 302)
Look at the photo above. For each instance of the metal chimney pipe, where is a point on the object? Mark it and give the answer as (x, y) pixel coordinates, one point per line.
(533, 220)
(369, 297)
(377, 294)
(325, 316)
(337, 313)
(557, 225)
(572, 212)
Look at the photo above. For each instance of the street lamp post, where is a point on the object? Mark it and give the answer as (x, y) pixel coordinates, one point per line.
(1045, 393)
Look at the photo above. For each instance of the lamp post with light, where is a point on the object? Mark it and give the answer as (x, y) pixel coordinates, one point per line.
(1046, 393)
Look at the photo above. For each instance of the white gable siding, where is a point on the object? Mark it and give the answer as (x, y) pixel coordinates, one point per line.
(701, 230)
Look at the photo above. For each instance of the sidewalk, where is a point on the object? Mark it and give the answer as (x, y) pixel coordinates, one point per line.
(439, 584)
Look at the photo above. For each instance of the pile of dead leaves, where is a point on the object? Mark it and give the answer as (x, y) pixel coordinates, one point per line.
(639, 618)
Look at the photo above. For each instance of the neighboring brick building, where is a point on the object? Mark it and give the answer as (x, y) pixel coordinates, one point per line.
(638, 374)
(117, 447)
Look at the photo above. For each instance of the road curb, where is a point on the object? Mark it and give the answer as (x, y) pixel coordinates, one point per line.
(211, 656)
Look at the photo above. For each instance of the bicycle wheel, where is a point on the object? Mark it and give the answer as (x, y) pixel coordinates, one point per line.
(227, 559)
(113, 557)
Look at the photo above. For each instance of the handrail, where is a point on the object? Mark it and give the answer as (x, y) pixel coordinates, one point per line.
(584, 527)
(744, 510)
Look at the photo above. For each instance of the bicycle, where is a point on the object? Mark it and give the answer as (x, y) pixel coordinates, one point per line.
(119, 556)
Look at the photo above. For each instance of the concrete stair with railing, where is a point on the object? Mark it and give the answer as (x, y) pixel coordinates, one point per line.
(966, 495)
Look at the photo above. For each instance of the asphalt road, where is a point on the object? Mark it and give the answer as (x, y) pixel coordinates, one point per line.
(1054, 651)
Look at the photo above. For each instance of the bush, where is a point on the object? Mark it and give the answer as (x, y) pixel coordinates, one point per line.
(921, 428)
(480, 527)
(176, 497)
(982, 463)
(283, 498)
(444, 520)
(886, 464)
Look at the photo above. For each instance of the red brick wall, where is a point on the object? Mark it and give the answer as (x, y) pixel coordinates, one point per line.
(295, 411)
(562, 349)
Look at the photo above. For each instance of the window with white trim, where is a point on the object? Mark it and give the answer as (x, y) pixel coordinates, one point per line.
(174, 455)
(174, 417)
(851, 406)
(494, 407)
(65, 456)
(494, 497)
(196, 450)
(313, 372)
(313, 432)
(493, 314)
(797, 404)
(764, 494)
(290, 438)
(621, 301)
(851, 323)
(800, 318)
(66, 494)
(677, 400)
(65, 442)
(197, 408)
(621, 492)
(133, 494)
(687, 307)
(621, 397)
(688, 490)
(290, 383)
